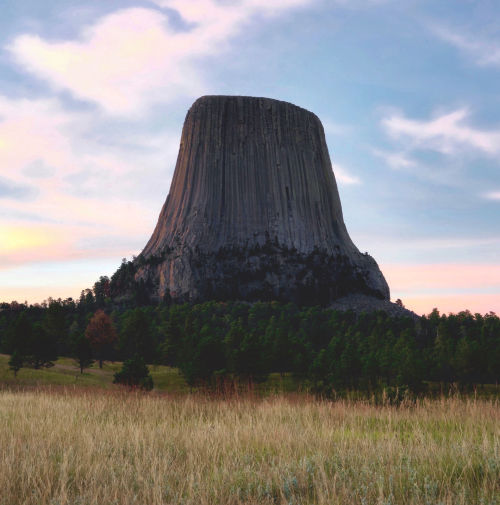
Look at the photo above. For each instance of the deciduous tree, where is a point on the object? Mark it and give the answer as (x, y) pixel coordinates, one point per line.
(101, 334)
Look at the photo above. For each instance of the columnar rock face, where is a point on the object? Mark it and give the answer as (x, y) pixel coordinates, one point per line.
(254, 212)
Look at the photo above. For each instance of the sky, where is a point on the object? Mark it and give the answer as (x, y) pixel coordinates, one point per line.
(93, 95)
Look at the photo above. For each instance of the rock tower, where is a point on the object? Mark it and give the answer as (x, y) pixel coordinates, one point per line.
(254, 212)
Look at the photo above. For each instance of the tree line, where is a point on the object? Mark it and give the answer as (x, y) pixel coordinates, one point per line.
(327, 350)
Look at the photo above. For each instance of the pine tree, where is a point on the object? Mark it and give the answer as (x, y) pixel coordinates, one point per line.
(16, 362)
(134, 373)
(80, 347)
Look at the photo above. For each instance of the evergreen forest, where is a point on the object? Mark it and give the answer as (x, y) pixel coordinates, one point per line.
(326, 351)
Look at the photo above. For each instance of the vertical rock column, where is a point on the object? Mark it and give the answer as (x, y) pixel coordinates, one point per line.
(254, 212)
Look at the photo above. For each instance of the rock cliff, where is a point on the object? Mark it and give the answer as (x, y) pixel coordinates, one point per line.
(254, 212)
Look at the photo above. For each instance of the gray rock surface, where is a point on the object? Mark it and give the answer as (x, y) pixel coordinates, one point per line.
(254, 212)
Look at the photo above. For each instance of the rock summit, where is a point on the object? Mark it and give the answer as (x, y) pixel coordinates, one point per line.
(254, 213)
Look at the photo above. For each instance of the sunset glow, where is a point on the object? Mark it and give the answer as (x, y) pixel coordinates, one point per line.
(15, 239)
(481, 304)
(451, 277)
(93, 96)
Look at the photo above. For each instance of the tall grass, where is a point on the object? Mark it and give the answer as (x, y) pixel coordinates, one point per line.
(78, 446)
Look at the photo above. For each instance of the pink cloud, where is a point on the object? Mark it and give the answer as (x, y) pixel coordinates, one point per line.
(492, 195)
(133, 57)
(31, 130)
(127, 59)
(65, 210)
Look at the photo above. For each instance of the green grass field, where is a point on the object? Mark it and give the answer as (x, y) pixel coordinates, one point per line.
(66, 373)
(169, 380)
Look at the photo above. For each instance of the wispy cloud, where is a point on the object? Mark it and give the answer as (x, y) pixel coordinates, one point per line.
(14, 190)
(342, 175)
(409, 162)
(446, 133)
(334, 128)
(492, 195)
(135, 57)
(42, 122)
(483, 52)
(396, 160)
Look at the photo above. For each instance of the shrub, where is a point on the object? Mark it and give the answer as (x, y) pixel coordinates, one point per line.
(134, 373)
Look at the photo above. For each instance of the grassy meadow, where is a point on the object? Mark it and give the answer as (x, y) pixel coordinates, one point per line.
(76, 445)
(166, 379)
(66, 373)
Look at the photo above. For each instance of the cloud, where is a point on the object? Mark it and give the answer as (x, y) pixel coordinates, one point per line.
(91, 191)
(40, 139)
(342, 176)
(223, 17)
(33, 130)
(9, 189)
(126, 59)
(333, 128)
(396, 160)
(446, 174)
(38, 170)
(446, 133)
(492, 195)
(135, 57)
(483, 52)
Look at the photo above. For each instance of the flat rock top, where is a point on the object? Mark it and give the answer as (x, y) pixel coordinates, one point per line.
(217, 100)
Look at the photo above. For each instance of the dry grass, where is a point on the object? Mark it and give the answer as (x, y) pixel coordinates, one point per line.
(76, 446)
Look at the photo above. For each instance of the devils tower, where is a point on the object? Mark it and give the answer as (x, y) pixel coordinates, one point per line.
(253, 212)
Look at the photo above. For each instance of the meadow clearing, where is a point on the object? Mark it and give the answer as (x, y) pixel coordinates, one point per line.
(74, 445)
